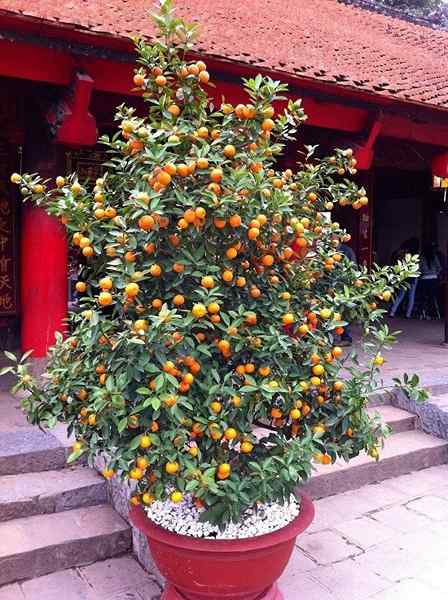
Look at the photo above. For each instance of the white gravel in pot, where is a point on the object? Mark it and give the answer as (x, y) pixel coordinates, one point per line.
(183, 518)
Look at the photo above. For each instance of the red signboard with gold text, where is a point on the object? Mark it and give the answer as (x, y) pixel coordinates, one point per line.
(8, 278)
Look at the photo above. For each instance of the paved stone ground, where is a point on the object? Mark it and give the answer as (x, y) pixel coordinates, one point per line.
(386, 541)
(113, 579)
(418, 350)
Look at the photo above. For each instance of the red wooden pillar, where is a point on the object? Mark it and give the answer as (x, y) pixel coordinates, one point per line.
(43, 275)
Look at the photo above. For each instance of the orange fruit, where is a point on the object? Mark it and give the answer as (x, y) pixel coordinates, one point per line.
(178, 300)
(230, 433)
(267, 125)
(288, 319)
(229, 151)
(231, 253)
(105, 283)
(204, 76)
(164, 178)
(199, 310)
(207, 282)
(190, 215)
(146, 222)
(235, 221)
(174, 110)
(182, 170)
(172, 468)
(130, 256)
(105, 299)
(132, 289)
(246, 447)
(213, 308)
(267, 260)
(80, 286)
(224, 471)
(155, 270)
(202, 163)
(216, 175)
(224, 346)
(253, 233)
(219, 222)
(161, 80)
(240, 281)
(227, 275)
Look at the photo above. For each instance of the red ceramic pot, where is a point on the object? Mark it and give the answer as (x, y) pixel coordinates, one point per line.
(198, 569)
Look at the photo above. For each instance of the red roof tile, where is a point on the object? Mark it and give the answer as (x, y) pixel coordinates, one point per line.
(318, 39)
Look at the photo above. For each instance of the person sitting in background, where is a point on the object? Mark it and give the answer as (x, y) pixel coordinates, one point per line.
(411, 246)
(430, 270)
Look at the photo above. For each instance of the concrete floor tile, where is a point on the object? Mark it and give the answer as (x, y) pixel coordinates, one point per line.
(303, 588)
(116, 576)
(401, 519)
(391, 562)
(365, 532)
(300, 563)
(64, 584)
(432, 506)
(327, 547)
(347, 582)
(381, 495)
(410, 589)
(421, 482)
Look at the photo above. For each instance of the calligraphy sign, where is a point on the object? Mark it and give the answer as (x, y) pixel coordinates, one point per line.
(8, 270)
(87, 163)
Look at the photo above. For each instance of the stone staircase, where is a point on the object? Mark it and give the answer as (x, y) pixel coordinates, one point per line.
(52, 516)
(407, 449)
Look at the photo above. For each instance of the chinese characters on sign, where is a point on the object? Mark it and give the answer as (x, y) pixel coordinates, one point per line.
(8, 303)
(8, 280)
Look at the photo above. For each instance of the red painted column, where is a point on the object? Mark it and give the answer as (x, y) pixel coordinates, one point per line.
(43, 278)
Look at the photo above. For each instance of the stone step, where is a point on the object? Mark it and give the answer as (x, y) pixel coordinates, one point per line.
(38, 545)
(403, 453)
(398, 419)
(30, 450)
(31, 494)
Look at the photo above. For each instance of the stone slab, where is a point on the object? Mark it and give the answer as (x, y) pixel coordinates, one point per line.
(403, 452)
(50, 491)
(400, 519)
(430, 506)
(66, 585)
(365, 532)
(30, 450)
(120, 577)
(432, 414)
(410, 589)
(44, 544)
(327, 547)
(346, 582)
(398, 419)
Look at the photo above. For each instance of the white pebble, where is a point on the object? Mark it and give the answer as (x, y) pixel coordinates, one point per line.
(183, 518)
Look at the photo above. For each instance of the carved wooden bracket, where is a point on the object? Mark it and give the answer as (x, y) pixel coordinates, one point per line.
(70, 121)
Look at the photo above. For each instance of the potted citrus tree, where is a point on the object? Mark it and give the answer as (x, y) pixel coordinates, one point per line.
(204, 364)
